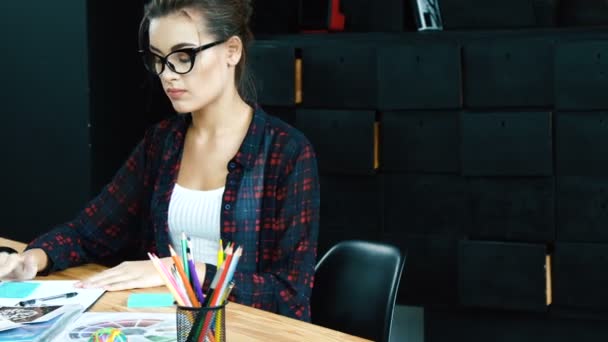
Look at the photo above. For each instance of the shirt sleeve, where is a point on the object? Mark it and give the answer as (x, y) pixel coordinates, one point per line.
(103, 229)
(284, 285)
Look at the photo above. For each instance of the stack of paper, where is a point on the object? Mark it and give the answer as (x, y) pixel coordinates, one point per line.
(32, 311)
(11, 293)
(6, 324)
(33, 324)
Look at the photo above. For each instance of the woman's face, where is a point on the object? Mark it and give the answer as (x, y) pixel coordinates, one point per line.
(210, 73)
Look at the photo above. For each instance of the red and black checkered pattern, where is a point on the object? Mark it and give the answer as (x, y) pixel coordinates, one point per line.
(270, 207)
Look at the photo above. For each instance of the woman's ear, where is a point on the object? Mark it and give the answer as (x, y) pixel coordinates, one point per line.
(235, 50)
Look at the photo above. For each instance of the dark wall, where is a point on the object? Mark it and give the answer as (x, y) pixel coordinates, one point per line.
(125, 98)
(116, 77)
(479, 152)
(492, 157)
(44, 101)
(75, 99)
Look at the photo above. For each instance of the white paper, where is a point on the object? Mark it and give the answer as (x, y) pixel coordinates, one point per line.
(61, 310)
(43, 331)
(47, 288)
(5, 324)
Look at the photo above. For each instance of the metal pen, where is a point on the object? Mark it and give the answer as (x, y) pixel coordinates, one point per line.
(37, 300)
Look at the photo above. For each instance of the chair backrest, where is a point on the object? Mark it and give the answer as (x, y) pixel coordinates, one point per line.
(356, 284)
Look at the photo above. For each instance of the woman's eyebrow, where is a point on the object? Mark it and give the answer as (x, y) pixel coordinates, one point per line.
(174, 47)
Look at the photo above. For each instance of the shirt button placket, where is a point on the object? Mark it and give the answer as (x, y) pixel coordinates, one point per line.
(231, 175)
(231, 181)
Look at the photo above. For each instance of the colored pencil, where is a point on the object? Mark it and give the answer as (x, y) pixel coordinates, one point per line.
(171, 288)
(184, 258)
(185, 280)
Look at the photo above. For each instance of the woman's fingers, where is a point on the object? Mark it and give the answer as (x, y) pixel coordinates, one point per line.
(8, 264)
(102, 278)
(128, 275)
(125, 285)
(141, 274)
(112, 280)
(27, 269)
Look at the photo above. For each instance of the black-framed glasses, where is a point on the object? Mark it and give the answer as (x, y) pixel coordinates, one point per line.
(179, 61)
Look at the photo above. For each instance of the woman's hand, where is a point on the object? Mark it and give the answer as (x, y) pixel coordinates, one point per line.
(16, 266)
(127, 275)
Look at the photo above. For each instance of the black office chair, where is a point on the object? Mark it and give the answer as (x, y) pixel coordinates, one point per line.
(356, 284)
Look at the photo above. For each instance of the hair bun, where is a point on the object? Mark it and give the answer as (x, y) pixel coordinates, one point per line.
(247, 9)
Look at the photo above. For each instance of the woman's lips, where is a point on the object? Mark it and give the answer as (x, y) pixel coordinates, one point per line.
(175, 93)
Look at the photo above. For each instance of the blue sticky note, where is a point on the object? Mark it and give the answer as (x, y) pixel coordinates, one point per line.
(17, 289)
(150, 300)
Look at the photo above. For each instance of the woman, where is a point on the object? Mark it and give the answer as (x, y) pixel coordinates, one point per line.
(222, 168)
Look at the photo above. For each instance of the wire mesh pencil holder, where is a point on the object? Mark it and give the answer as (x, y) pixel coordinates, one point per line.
(205, 324)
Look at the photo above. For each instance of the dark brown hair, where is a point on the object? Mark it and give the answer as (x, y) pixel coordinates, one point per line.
(225, 18)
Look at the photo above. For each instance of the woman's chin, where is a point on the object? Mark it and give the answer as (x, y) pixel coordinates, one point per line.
(182, 108)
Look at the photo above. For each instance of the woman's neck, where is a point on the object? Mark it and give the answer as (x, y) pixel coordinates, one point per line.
(223, 116)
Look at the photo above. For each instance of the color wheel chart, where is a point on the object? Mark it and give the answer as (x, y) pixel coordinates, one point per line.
(139, 327)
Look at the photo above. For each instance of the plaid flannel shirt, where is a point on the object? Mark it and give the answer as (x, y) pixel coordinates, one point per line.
(270, 207)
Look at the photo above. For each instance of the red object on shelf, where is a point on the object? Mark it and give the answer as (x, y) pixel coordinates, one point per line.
(336, 18)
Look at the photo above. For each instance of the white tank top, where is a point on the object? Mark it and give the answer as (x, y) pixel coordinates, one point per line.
(196, 213)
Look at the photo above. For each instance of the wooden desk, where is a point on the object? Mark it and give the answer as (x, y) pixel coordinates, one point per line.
(243, 323)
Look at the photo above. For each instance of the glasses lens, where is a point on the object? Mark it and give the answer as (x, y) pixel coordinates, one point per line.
(152, 63)
(180, 62)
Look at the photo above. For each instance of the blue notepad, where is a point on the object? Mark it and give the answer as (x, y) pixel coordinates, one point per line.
(150, 300)
(17, 289)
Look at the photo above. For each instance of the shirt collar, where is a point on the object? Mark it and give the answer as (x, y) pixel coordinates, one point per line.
(250, 146)
(248, 151)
